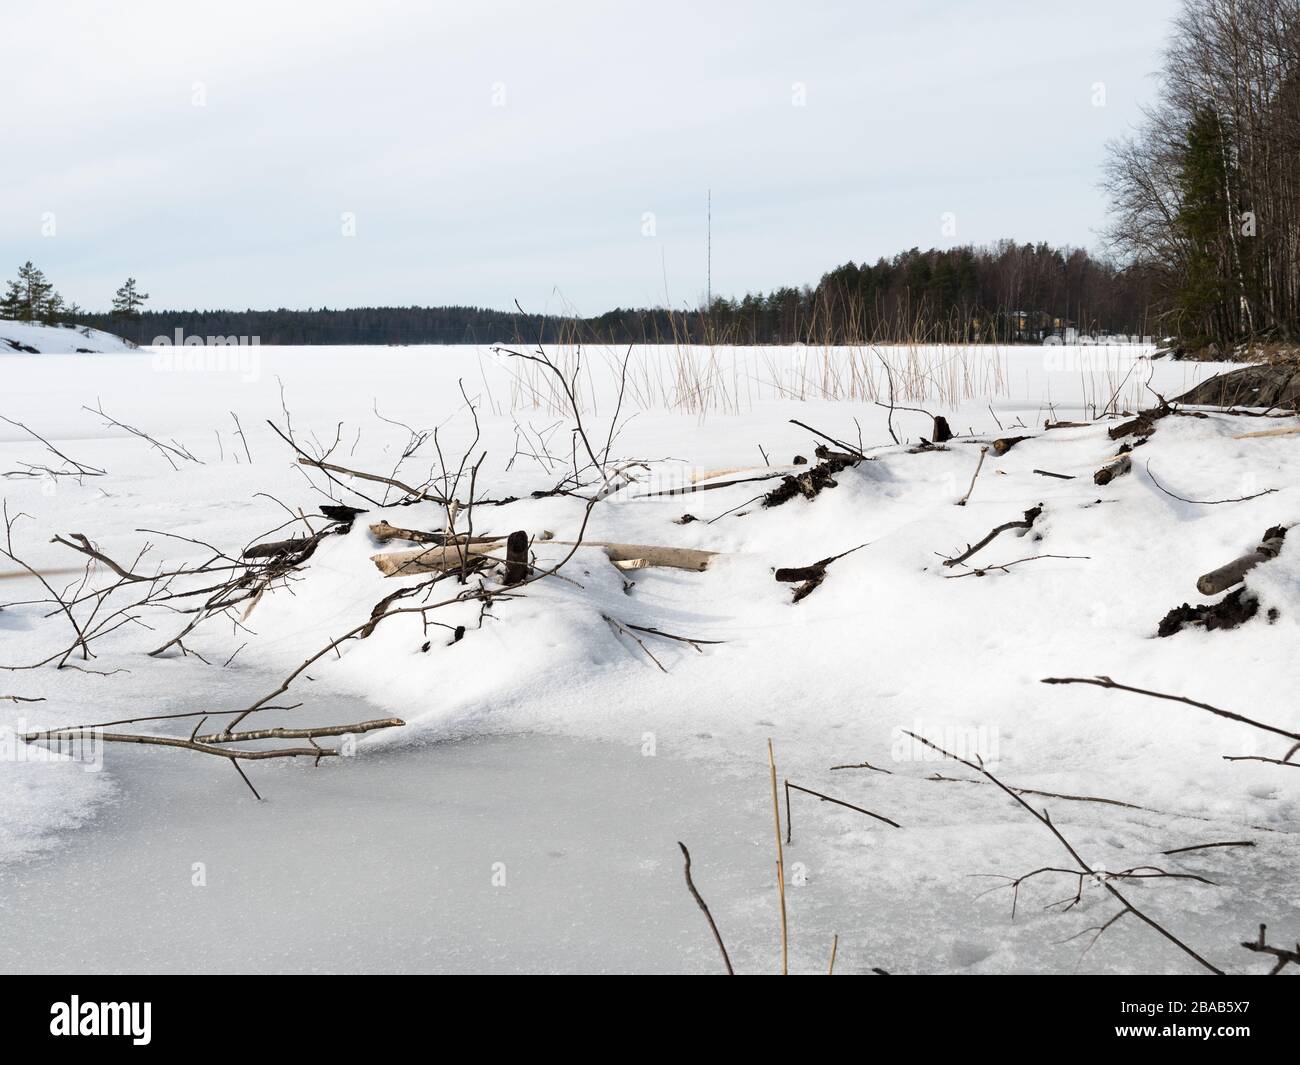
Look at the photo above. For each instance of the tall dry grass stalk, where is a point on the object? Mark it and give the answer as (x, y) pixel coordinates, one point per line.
(702, 380)
(780, 865)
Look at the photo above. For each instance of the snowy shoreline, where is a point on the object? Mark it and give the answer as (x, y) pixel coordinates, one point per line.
(886, 644)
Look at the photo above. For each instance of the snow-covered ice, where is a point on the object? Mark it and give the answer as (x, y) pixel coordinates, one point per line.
(548, 742)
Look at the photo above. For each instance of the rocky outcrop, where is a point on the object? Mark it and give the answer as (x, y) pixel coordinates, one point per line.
(1276, 385)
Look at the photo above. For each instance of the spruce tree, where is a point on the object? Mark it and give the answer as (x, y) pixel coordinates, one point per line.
(1204, 292)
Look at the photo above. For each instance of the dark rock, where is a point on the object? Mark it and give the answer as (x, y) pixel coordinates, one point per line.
(1276, 385)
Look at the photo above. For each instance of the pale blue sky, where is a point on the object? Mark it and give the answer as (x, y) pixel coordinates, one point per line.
(497, 150)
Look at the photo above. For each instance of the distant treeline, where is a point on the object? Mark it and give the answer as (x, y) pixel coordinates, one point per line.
(1005, 293)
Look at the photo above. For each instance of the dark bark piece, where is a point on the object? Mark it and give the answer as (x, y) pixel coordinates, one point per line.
(810, 483)
(809, 578)
(516, 557)
(1234, 609)
(941, 433)
(1143, 425)
(341, 512)
(278, 547)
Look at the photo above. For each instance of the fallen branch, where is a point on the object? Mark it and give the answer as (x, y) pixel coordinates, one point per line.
(1284, 956)
(1027, 522)
(78, 469)
(210, 745)
(710, 486)
(1204, 502)
(1045, 820)
(619, 627)
(1106, 682)
(1006, 566)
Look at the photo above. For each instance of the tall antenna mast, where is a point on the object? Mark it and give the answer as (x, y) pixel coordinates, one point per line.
(709, 303)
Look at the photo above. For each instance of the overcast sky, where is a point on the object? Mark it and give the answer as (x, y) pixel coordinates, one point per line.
(555, 153)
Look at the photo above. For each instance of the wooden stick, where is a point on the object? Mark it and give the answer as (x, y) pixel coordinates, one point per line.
(713, 927)
(978, 466)
(835, 942)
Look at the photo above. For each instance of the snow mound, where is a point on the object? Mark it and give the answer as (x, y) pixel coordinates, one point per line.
(30, 338)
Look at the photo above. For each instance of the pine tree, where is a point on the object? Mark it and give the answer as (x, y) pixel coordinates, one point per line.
(128, 300)
(29, 299)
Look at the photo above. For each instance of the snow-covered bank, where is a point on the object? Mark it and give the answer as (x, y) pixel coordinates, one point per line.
(889, 642)
(32, 338)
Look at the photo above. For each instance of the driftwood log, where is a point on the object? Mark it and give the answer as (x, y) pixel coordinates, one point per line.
(1144, 424)
(624, 556)
(1267, 432)
(436, 559)
(1004, 444)
(1117, 467)
(383, 531)
(1234, 572)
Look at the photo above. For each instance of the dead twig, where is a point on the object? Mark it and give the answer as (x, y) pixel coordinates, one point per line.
(841, 802)
(713, 926)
